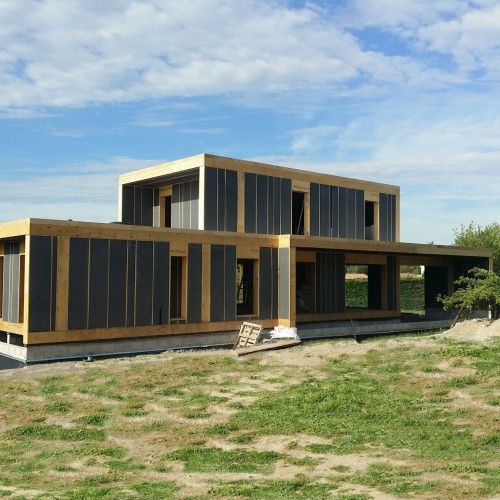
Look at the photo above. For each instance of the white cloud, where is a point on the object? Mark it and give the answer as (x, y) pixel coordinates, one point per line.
(73, 53)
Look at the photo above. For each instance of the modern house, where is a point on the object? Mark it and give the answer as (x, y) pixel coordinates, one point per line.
(202, 244)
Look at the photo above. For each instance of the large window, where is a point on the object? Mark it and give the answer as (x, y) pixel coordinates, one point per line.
(246, 291)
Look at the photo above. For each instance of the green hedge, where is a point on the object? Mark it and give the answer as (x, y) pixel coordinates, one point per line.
(412, 293)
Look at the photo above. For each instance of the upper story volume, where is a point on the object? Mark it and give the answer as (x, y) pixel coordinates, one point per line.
(215, 193)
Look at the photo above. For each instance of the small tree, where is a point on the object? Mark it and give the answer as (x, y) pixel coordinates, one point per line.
(478, 291)
(473, 235)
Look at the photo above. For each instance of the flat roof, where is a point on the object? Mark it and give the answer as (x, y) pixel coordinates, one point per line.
(209, 160)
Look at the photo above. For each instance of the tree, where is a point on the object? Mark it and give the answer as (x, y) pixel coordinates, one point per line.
(479, 291)
(473, 235)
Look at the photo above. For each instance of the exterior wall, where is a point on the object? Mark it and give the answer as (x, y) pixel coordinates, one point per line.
(185, 199)
(221, 200)
(12, 282)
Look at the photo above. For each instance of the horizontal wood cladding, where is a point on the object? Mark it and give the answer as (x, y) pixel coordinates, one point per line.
(268, 204)
(337, 212)
(221, 199)
(115, 283)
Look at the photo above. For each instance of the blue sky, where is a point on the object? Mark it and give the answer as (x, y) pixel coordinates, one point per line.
(399, 91)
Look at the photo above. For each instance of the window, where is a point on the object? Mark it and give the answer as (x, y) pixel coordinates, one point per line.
(305, 287)
(167, 211)
(246, 296)
(297, 212)
(369, 220)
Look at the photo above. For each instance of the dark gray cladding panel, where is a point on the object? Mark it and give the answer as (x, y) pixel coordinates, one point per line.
(334, 217)
(156, 207)
(391, 283)
(314, 208)
(435, 283)
(131, 258)
(186, 205)
(393, 217)
(383, 217)
(221, 199)
(286, 206)
(360, 214)
(210, 199)
(194, 283)
(175, 219)
(284, 283)
(250, 202)
(324, 210)
(217, 282)
(98, 283)
(262, 186)
(340, 281)
(275, 283)
(230, 283)
(270, 206)
(351, 213)
(117, 301)
(147, 206)
(10, 302)
(330, 282)
(265, 283)
(276, 205)
(144, 283)
(160, 283)
(195, 198)
(137, 206)
(78, 283)
(42, 283)
(231, 200)
(374, 286)
(342, 212)
(128, 204)
(462, 265)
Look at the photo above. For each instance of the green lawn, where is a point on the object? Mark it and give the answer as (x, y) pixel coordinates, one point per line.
(407, 416)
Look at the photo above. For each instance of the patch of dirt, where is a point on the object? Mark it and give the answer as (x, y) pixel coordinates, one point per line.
(474, 330)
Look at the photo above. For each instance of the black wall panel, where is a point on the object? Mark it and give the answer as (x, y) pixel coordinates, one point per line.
(383, 217)
(128, 204)
(314, 209)
(117, 300)
(221, 200)
(275, 282)
(435, 283)
(147, 199)
(286, 206)
(194, 283)
(231, 200)
(270, 206)
(342, 212)
(334, 215)
(144, 283)
(161, 259)
(330, 275)
(98, 284)
(131, 258)
(43, 277)
(324, 210)
(284, 283)
(230, 283)
(211, 199)
(360, 214)
(250, 202)
(78, 283)
(217, 283)
(262, 187)
(351, 213)
(374, 286)
(276, 181)
(137, 206)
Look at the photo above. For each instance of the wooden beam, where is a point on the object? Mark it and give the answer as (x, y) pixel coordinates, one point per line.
(302, 256)
(350, 314)
(36, 338)
(62, 283)
(365, 259)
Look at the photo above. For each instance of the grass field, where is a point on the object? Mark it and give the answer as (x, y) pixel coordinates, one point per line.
(401, 416)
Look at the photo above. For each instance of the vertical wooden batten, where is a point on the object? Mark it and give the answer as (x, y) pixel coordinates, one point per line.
(62, 283)
(205, 284)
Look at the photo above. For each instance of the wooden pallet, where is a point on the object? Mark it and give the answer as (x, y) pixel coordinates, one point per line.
(249, 335)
